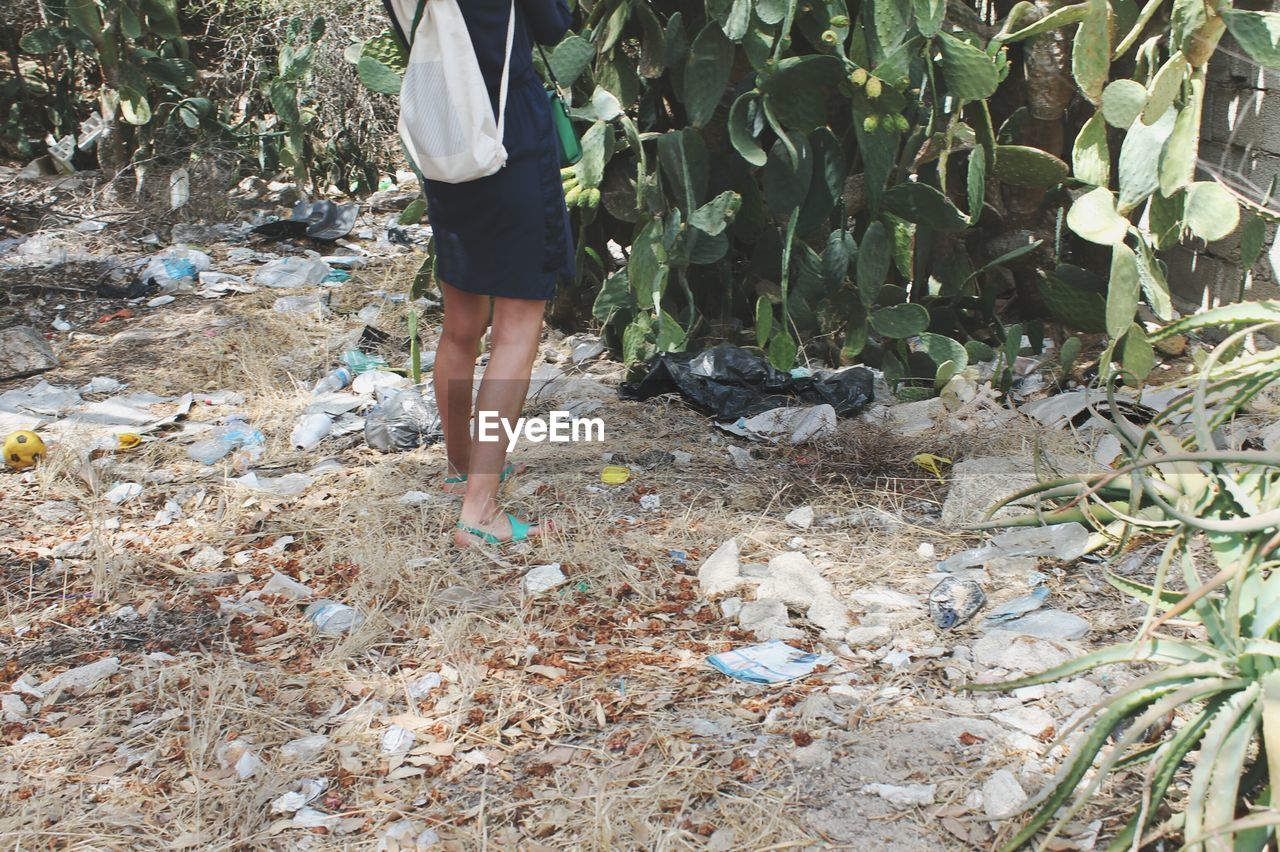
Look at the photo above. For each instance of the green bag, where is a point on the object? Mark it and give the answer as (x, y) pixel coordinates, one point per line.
(566, 139)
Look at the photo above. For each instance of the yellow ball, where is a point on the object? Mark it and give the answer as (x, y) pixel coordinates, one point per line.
(23, 449)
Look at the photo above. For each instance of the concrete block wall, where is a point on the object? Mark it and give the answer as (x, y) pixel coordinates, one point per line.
(1240, 145)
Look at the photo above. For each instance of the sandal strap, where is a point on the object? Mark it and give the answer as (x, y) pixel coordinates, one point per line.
(519, 531)
(507, 472)
(488, 538)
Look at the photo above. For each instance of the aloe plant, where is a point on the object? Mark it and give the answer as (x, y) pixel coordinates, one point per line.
(1210, 506)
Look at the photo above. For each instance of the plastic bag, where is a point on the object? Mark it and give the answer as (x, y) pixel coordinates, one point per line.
(405, 421)
(731, 382)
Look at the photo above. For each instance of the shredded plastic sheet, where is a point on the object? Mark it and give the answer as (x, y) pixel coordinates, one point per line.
(769, 662)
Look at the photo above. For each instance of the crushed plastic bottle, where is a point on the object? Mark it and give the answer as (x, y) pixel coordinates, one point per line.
(332, 618)
(334, 382)
(311, 430)
(1064, 542)
(237, 434)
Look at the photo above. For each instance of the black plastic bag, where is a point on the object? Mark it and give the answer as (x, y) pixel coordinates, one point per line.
(730, 382)
(404, 422)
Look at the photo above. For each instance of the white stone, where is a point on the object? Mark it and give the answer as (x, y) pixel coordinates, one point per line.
(1002, 795)
(1005, 650)
(24, 350)
(868, 636)
(880, 599)
(421, 687)
(794, 580)
(814, 755)
(1032, 721)
(904, 795)
(81, 677)
(1049, 624)
(721, 572)
(829, 614)
(768, 619)
(730, 607)
(12, 708)
(801, 518)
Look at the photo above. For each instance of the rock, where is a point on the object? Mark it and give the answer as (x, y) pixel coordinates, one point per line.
(207, 558)
(1002, 795)
(801, 518)
(909, 418)
(421, 687)
(730, 607)
(868, 637)
(24, 351)
(829, 614)
(586, 350)
(1008, 650)
(768, 619)
(880, 599)
(720, 573)
(927, 551)
(978, 483)
(81, 677)
(1049, 624)
(813, 756)
(794, 580)
(12, 708)
(903, 796)
(1030, 720)
(818, 706)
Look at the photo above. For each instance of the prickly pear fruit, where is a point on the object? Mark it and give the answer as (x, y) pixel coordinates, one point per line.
(829, 38)
(874, 87)
(840, 21)
(858, 77)
(871, 123)
(571, 197)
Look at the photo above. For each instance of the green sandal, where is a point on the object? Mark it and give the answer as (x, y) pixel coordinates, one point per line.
(519, 531)
(507, 472)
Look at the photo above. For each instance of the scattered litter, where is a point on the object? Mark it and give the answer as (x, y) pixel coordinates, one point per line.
(931, 463)
(311, 430)
(397, 740)
(543, 578)
(904, 796)
(1018, 607)
(160, 301)
(721, 572)
(1064, 542)
(332, 618)
(288, 272)
(311, 303)
(304, 749)
(651, 502)
(954, 601)
(279, 584)
(770, 662)
(239, 756)
(308, 790)
(175, 269)
(124, 492)
(236, 434)
(405, 421)
(731, 382)
(289, 485)
(927, 551)
(614, 474)
(793, 425)
(319, 220)
(420, 688)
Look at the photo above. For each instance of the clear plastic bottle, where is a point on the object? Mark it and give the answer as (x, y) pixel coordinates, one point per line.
(334, 382)
(236, 434)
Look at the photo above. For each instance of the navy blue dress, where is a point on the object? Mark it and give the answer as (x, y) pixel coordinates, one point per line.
(508, 234)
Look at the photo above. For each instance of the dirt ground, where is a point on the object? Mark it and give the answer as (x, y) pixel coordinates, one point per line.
(584, 717)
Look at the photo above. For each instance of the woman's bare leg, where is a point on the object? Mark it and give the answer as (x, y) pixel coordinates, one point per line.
(466, 316)
(513, 344)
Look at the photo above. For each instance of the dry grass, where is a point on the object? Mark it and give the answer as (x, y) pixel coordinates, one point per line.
(584, 718)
